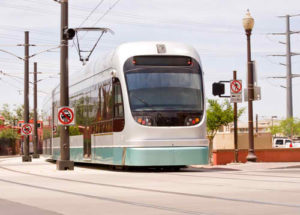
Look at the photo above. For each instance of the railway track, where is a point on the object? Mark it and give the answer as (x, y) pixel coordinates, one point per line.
(212, 197)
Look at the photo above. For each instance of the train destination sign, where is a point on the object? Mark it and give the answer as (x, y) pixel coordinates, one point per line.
(65, 116)
(26, 129)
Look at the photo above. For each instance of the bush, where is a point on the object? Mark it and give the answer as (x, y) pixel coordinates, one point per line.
(8, 139)
(9, 134)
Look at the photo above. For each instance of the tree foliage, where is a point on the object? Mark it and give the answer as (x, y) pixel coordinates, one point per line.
(219, 114)
(289, 127)
(6, 113)
(9, 134)
(11, 116)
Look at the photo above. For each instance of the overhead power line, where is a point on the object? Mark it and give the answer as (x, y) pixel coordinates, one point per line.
(103, 15)
(97, 6)
(109, 9)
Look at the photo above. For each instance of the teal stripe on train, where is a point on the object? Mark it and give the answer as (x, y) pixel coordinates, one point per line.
(76, 154)
(107, 155)
(166, 156)
(152, 156)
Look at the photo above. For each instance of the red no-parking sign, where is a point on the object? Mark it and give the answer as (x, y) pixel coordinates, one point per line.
(236, 86)
(236, 91)
(26, 129)
(65, 116)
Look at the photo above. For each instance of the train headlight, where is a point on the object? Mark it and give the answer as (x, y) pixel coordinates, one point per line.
(144, 120)
(192, 120)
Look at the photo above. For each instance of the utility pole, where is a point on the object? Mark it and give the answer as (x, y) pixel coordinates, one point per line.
(236, 155)
(35, 129)
(289, 76)
(26, 157)
(64, 162)
(289, 93)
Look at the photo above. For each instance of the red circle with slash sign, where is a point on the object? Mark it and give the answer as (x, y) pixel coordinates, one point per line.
(236, 86)
(65, 116)
(26, 129)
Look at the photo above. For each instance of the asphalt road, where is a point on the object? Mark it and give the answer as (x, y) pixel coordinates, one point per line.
(259, 188)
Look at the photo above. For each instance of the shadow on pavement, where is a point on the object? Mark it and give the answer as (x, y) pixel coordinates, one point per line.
(148, 169)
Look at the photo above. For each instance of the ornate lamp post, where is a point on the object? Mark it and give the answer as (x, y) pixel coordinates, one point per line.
(248, 23)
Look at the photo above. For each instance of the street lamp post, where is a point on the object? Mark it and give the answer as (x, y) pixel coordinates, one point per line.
(248, 23)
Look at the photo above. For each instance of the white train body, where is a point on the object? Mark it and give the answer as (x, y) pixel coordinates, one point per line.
(139, 133)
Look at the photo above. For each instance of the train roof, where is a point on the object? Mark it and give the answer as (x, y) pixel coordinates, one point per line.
(127, 50)
(119, 55)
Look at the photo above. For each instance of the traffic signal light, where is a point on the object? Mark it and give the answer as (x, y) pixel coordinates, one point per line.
(69, 33)
(218, 89)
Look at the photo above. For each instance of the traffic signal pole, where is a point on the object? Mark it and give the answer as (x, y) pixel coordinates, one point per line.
(26, 157)
(35, 129)
(64, 162)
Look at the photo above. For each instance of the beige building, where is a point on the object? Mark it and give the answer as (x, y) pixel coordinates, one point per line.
(262, 126)
(262, 136)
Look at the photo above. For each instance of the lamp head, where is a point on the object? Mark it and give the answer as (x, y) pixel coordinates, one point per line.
(248, 21)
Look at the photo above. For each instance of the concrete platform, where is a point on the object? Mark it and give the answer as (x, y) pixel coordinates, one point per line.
(251, 188)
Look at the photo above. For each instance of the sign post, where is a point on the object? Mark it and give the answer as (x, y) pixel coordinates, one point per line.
(235, 89)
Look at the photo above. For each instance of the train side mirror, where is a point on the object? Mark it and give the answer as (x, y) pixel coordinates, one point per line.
(218, 89)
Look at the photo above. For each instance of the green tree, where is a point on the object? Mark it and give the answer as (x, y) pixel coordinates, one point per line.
(19, 112)
(9, 137)
(275, 129)
(289, 127)
(12, 116)
(218, 115)
(7, 114)
(9, 134)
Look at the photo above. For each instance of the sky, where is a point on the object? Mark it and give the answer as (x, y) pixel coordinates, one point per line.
(213, 27)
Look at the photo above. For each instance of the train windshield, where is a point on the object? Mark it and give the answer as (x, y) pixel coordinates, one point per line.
(165, 88)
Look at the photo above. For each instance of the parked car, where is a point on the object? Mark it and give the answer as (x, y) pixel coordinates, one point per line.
(296, 143)
(282, 142)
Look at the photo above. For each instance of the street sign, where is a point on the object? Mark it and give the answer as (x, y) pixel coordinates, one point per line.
(65, 116)
(236, 91)
(235, 86)
(257, 94)
(26, 129)
(236, 98)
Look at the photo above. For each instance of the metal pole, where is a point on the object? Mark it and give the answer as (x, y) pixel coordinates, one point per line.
(35, 129)
(256, 124)
(26, 157)
(236, 158)
(289, 93)
(251, 156)
(64, 163)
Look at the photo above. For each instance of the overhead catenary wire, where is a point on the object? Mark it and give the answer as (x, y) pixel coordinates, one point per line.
(97, 6)
(103, 15)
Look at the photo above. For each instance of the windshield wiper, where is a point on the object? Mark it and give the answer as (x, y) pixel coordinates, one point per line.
(140, 99)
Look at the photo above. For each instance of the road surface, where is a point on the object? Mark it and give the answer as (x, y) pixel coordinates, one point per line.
(253, 188)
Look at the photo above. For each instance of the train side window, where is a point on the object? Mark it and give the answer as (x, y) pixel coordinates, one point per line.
(118, 106)
(118, 101)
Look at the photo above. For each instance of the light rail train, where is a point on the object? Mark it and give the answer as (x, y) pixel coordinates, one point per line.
(143, 105)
